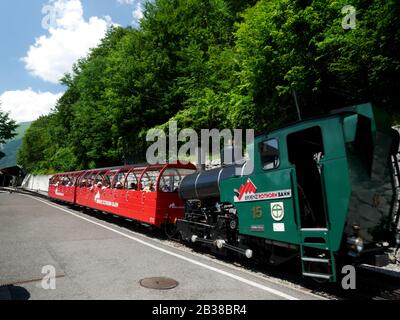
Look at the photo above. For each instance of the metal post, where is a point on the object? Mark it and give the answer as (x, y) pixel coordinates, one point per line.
(297, 104)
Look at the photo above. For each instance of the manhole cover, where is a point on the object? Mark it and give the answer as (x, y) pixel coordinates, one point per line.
(159, 283)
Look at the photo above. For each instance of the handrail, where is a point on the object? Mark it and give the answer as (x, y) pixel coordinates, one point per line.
(396, 167)
(325, 200)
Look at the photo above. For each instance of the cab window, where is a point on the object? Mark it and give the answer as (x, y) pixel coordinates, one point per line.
(269, 152)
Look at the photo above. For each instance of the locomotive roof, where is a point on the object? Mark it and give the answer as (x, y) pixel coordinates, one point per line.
(357, 109)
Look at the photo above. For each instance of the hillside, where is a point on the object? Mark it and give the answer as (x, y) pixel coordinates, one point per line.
(11, 147)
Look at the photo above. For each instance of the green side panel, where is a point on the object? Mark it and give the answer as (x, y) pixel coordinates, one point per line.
(350, 127)
(256, 217)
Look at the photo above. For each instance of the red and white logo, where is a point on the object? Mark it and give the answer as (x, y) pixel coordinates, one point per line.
(247, 192)
(98, 200)
(248, 187)
(58, 193)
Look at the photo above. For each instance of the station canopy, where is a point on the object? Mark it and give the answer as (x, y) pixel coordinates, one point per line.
(15, 171)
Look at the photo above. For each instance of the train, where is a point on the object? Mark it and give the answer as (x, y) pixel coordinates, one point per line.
(323, 191)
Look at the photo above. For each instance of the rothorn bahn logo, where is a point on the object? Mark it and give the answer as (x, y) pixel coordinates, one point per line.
(247, 192)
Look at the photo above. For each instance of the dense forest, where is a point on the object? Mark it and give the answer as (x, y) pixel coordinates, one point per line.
(217, 64)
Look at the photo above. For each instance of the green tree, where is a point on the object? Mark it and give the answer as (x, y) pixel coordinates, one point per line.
(300, 46)
(7, 129)
(42, 151)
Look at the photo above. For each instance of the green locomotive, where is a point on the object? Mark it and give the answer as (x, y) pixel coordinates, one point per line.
(324, 190)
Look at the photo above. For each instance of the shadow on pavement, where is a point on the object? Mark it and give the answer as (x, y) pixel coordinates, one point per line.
(14, 293)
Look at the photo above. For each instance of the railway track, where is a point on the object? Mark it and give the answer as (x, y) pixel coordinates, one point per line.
(370, 285)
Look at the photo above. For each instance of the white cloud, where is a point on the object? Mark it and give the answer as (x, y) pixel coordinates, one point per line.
(28, 105)
(137, 13)
(126, 1)
(69, 38)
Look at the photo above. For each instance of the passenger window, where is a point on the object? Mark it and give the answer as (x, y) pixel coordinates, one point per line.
(269, 151)
(64, 181)
(69, 181)
(171, 179)
(98, 182)
(55, 181)
(149, 180)
(83, 179)
(73, 180)
(119, 180)
(90, 180)
(108, 178)
(79, 181)
(131, 182)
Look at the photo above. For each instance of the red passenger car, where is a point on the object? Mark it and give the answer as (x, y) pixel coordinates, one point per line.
(146, 193)
(63, 186)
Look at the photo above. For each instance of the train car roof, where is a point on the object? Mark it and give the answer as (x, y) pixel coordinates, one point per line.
(129, 166)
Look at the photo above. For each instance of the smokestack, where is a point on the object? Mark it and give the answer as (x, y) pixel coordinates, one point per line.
(228, 153)
(200, 161)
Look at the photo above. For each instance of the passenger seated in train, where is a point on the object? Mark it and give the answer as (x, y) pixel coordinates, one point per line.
(119, 185)
(133, 186)
(149, 187)
(165, 188)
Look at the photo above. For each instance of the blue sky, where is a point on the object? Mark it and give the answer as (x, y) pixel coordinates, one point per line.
(29, 67)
